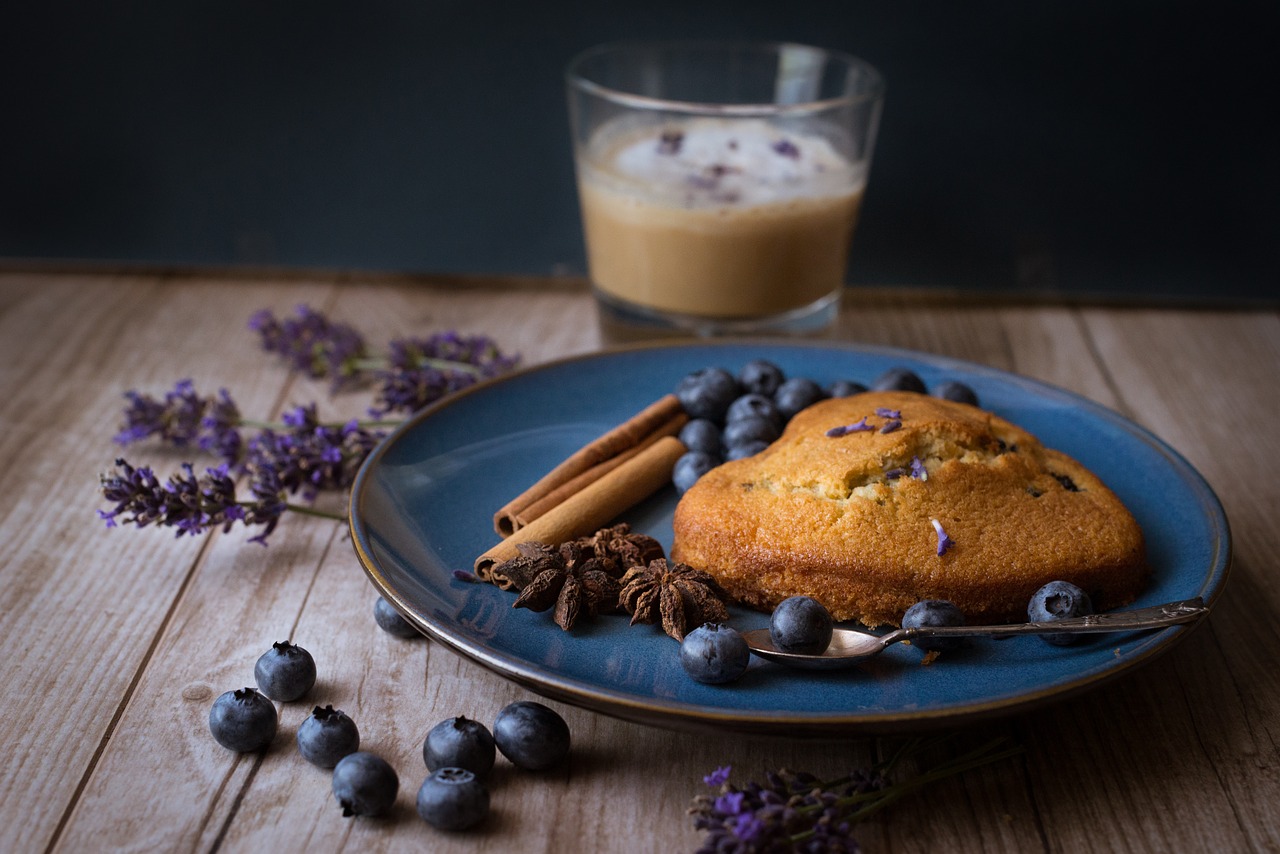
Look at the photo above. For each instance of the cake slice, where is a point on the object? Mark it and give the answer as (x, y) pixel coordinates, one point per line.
(873, 502)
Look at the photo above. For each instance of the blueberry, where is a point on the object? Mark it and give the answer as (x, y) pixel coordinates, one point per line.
(957, 391)
(714, 654)
(453, 799)
(285, 672)
(243, 720)
(801, 624)
(760, 377)
(364, 784)
(1058, 600)
(531, 735)
(753, 428)
(707, 393)
(390, 621)
(750, 449)
(701, 435)
(934, 612)
(797, 393)
(845, 388)
(459, 743)
(899, 379)
(327, 736)
(754, 406)
(690, 467)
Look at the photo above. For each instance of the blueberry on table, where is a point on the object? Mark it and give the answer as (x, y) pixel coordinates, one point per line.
(934, 613)
(707, 393)
(801, 624)
(701, 435)
(453, 799)
(531, 735)
(714, 654)
(957, 391)
(243, 720)
(796, 394)
(326, 736)
(285, 672)
(364, 784)
(752, 428)
(459, 743)
(690, 467)
(1058, 600)
(760, 377)
(754, 406)
(845, 388)
(390, 621)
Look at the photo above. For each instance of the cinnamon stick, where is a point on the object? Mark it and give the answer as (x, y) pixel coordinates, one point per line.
(596, 505)
(663, 417)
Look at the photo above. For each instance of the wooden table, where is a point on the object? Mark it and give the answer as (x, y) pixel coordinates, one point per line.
(115, 643)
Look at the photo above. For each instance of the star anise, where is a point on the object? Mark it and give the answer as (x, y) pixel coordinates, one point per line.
(619, 549)
(519, 571)
(681, 597)
(569, 578)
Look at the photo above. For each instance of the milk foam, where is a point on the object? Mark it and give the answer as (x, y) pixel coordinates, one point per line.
(713, 162)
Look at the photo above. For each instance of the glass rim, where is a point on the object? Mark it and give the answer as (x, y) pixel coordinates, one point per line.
(575, 79)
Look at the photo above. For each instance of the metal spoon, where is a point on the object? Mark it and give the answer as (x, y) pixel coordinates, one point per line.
(850, 646)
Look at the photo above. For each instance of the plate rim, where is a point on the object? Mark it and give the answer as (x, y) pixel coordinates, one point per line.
(684, 716)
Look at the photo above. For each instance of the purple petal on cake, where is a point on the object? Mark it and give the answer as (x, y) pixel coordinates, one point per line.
(891, 425)
(885, 412)
(918, 471)
(857, 427)
(944, 542)
(895, 473)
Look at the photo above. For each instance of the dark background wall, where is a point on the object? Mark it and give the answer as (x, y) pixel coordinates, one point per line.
(1084, 147)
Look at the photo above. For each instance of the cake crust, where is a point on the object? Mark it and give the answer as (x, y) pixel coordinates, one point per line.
(848, 519)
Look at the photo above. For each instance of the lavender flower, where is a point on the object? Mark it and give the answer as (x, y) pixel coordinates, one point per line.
(890, 425)
(186, 502)
(311, 343)
(857, 427)
(918, 471)
(944, 542)
(796, 811)
(184, 418)
(420, 371)
(309, 456)
(886, 412)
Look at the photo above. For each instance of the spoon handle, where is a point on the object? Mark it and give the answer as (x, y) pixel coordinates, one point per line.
(1168, 614)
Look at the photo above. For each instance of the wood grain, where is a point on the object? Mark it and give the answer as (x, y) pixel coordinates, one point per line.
(116, 642)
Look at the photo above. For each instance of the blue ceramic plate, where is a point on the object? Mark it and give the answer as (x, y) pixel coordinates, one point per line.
(423, 504)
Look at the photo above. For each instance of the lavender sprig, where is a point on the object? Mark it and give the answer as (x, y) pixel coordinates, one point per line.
(309, 456)
(193, 504)
(312, 343)
(795, 811)
(182, 417)
(420, 371)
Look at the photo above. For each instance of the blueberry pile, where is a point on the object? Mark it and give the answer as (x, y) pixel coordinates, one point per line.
(460, 753)
(734, 417)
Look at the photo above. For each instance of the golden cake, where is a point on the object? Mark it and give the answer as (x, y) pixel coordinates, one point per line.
(873, 502)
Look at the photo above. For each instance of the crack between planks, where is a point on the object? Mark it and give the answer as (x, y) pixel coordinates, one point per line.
(1096, 354)
(127, 697)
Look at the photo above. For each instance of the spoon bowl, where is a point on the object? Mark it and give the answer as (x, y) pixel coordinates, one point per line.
(848, 647)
